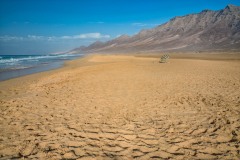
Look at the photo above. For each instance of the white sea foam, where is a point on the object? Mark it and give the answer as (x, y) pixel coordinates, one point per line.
(32, 58)
(20, 67)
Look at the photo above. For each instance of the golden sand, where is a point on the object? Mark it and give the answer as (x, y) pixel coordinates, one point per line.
(124, 107)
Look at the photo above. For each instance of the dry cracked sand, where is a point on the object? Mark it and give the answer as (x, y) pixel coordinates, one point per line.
(123, 107)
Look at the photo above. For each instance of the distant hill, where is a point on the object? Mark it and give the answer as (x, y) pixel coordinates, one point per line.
(206, 31)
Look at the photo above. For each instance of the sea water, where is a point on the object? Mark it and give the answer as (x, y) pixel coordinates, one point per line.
(12, 66)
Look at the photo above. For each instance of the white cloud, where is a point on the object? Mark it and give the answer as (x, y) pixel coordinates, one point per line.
(34, 37)
(86, 36)
(16, 38)
(138, 24)
(10, 38)
(53, 38)
(66, 37)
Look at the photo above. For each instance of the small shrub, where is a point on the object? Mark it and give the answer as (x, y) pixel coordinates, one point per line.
(164, 58)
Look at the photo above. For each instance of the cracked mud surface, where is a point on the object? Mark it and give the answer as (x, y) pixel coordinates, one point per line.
(124, 108)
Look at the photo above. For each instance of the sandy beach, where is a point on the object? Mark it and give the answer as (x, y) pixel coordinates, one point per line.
(124, 107)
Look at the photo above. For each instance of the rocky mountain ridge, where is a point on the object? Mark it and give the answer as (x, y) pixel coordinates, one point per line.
(207, 30)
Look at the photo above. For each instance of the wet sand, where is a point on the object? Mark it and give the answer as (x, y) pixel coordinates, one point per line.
(124, 107)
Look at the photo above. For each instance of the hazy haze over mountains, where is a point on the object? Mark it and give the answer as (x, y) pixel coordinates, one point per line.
(207, 30)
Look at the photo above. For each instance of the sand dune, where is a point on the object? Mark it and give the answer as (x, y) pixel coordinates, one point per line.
(124, 107)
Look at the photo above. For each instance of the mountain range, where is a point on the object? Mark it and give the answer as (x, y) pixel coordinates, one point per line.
(205, 31)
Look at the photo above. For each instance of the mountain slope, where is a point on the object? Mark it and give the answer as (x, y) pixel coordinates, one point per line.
(207, 30)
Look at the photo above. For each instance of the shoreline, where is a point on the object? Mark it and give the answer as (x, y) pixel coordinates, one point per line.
(14, 66)
(11, 74)
(123, 106)
(197, 56)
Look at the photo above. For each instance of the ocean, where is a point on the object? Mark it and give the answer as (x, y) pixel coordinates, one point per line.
(12, 66)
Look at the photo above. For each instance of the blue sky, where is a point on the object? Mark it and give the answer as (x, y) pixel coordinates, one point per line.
(49, 26)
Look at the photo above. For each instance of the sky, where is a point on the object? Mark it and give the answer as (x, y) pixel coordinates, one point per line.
(55, 26)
